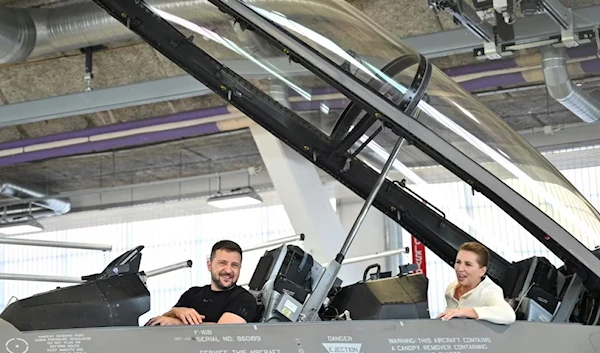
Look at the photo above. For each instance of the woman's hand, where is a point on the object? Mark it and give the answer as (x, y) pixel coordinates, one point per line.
(448, 314)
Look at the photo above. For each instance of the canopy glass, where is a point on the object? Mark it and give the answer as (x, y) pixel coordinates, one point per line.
(359, 46)
(452, 113)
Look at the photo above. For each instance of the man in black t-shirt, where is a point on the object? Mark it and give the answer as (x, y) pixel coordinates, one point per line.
(221, 302)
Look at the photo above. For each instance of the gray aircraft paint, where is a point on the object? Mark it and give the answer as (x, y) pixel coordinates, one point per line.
(431, 336)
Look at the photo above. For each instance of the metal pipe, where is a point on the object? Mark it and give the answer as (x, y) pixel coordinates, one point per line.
(562, 89)
(39, 278)
(13, 189)
(369, 201)
(55, 244)
(31, 33)
(275, 242)
(387, 253)
(169, 268)
(65, 279)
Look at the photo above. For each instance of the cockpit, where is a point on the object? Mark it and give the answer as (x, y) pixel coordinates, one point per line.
(283, 281)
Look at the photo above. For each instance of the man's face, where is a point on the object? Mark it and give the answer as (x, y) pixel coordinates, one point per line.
(225, 269)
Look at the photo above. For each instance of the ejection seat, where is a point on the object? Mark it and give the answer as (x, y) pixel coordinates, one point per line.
(285, 277)
(282, 281)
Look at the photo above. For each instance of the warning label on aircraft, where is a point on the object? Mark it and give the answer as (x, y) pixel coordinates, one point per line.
(342, 347)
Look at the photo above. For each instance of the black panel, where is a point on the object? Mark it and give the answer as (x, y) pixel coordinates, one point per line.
(540, 272)
(116, 301)
(263, 269)
(117, 296)
(390, 298)
(546, 300)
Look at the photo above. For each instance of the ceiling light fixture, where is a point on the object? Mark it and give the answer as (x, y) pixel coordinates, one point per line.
(15, 228)
(239, 197)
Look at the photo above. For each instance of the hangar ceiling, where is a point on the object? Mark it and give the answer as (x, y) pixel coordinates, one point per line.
(524, 103)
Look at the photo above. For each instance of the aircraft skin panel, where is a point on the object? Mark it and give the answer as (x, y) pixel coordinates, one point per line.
(322, 146)
(464, 336)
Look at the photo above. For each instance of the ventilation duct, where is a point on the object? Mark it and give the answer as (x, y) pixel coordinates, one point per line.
(562, 89)
(32, 33)
(14, 190)
(17, 35)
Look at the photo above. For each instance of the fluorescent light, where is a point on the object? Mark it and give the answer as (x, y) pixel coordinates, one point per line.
(20, 228)
(236, 199)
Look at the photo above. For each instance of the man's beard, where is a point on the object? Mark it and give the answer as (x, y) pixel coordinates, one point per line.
(217, 282)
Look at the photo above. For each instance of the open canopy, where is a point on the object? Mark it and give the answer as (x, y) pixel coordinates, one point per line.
(378, 91)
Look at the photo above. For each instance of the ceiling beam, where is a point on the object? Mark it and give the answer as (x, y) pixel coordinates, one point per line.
(101, 100)
(130, 95)
(563, 136)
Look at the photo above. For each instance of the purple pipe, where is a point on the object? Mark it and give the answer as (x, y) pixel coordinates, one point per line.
(139, 139)
(117, 127)
(500, 80)
(178, 117)
(591, 66)
(98, 146)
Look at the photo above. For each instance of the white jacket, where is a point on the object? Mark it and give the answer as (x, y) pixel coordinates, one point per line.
(487, 299)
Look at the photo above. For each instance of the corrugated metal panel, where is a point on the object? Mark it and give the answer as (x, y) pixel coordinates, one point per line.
(167, 241)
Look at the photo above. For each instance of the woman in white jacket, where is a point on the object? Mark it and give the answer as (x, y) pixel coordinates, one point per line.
(473, 295)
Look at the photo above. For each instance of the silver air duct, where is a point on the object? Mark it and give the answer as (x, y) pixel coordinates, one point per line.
(30, 33)
(35, 32)
(561, 88)
(11, 189)
(17, 35)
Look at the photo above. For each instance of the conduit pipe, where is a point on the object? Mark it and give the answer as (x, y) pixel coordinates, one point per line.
(169, 268)
(562, 89)
(55, 244)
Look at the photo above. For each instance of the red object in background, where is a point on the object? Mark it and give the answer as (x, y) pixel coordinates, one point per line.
(418, 256)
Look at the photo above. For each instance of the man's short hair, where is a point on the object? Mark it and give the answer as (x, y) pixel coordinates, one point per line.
(227, 245)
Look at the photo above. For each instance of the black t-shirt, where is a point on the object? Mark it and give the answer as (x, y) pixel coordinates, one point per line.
(213, 304)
